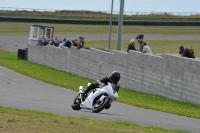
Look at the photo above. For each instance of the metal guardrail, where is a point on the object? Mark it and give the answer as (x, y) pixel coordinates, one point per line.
(86, 12)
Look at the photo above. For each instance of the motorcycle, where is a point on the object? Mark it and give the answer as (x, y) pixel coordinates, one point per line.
(97, 99)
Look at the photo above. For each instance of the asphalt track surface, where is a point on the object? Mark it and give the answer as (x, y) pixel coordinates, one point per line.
(7, 42)
(22, 92)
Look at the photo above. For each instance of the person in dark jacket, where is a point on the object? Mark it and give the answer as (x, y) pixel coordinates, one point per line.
(66, 43)
(131, 45)
(114, 78)
(185, 52)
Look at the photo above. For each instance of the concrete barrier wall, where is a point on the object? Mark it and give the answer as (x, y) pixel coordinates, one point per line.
(120, 63)
(182, 79)
(50, 56)
(170, 76)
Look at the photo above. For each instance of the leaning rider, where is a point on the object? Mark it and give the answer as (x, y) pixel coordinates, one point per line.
(114, 78)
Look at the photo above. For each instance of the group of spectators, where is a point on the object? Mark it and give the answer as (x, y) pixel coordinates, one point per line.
(66, 42)
(144, 48)
(80, 43)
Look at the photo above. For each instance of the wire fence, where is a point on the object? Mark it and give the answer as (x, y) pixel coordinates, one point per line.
(91, 13)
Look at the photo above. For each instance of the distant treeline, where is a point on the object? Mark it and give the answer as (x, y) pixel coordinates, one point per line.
(91, 15)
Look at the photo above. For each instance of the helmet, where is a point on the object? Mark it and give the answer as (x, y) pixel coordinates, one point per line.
(115, 77)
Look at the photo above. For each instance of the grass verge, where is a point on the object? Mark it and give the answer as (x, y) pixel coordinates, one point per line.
(72, 82)
(23, 28)
(24, 121)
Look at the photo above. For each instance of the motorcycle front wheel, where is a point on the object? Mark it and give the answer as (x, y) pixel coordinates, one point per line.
(100, 105)
(76, 103)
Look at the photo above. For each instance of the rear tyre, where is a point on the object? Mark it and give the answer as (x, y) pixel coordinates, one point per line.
(100, 105)
(76, 103)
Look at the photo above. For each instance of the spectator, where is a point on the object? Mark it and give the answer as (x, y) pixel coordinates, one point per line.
(141, 43)
(47, 40)
(79, 44)
(43, 41)
(146, 49)
(56, 42)
(40, 41)
(131, 45)
(74, 43)
(82, 40)
(185, 52)
(63, 43)
(51, 42)
(66, 43)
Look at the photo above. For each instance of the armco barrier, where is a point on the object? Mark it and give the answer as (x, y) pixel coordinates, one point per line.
(169, 76)
(101, 22)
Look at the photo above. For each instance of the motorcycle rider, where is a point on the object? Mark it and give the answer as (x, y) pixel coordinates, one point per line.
(114, 78)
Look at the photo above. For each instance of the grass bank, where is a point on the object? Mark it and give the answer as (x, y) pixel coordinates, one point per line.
(23, 28)
(26, 121)
(127, 96)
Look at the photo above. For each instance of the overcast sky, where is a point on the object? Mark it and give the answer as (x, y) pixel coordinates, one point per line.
(105, 5)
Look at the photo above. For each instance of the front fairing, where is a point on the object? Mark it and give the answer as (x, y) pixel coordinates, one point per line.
(87, 104)
(110, 92)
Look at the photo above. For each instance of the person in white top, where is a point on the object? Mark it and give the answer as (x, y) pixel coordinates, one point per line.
(146, 49)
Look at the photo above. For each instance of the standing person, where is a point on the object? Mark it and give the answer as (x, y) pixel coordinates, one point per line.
(186, 53)
(146, 49)
(131, 45)
(141, 43)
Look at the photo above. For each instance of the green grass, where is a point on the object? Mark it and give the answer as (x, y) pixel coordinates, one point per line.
(23, 28)
(72, 82)
(157, 46)
(64, 14)
(27, 121)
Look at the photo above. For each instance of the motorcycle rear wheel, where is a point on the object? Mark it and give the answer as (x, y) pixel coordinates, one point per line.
(99, 106)
(76, 103)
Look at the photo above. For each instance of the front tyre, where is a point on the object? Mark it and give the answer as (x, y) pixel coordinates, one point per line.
(76, 103)
(100, 105)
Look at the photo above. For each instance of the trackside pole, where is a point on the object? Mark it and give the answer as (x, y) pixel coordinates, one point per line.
(120, 24)
(110, 25)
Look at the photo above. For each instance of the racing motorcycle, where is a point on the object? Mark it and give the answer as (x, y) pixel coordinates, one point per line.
(97, 99)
